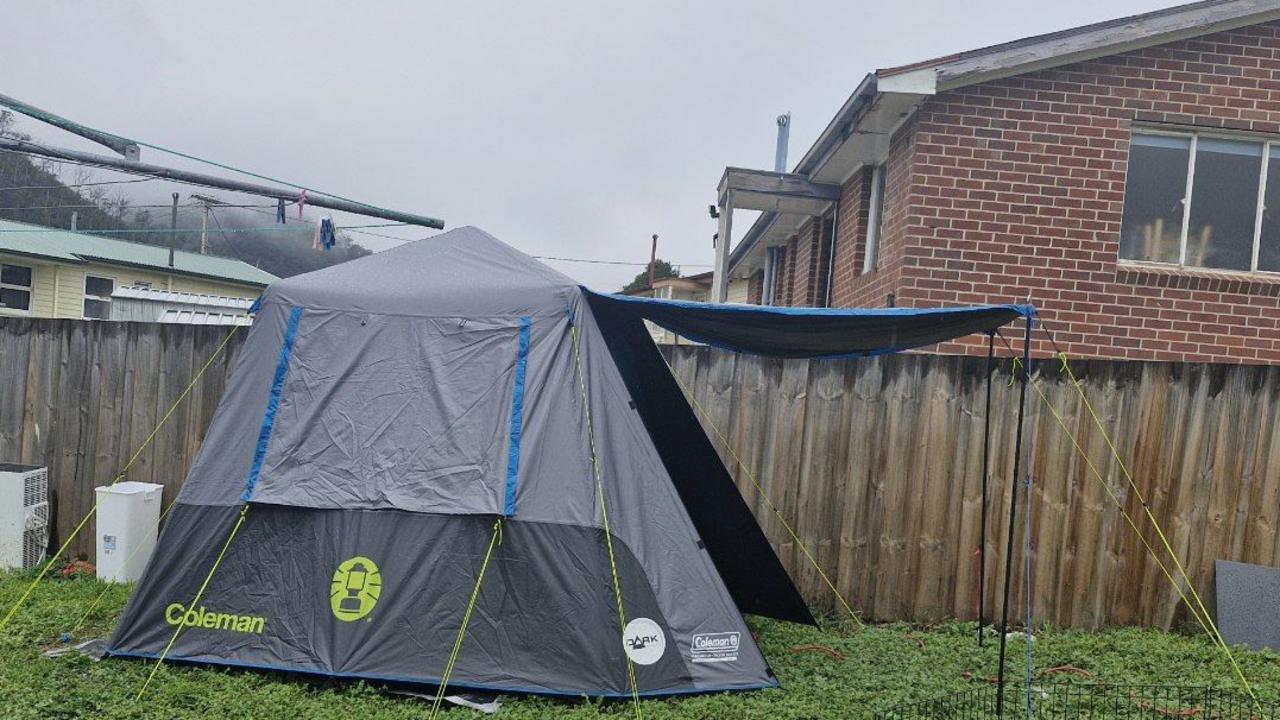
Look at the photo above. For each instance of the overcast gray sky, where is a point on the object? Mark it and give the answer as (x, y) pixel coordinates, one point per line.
(570, 129)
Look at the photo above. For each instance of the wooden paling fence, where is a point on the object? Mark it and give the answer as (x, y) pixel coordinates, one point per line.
(81, 396)
(876, 462)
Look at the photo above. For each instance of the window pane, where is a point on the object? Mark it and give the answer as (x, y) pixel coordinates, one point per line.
(99, 287)
(1153, 190)
(15, 275)
(1269, 250)
(875, 223)
(1224, 201)
(97, 309)
(15, 299)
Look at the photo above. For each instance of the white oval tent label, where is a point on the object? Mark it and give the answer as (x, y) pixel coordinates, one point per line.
(644, 642)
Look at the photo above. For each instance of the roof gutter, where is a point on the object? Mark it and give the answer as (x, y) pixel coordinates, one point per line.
(86, 259)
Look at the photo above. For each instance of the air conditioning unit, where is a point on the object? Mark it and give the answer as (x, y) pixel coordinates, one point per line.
(24, 515)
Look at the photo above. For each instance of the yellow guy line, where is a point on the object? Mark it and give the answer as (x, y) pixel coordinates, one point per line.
(136, 454)
(765, 496)
(1207, 622)
(107, 586)
(1201, 615)
(466, 619)
(196, 600)
(604, 512)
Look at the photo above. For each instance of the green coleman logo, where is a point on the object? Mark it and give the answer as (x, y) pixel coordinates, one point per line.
(355, 589)
(199, 617)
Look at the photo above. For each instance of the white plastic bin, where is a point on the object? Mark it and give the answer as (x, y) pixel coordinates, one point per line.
(128, 515)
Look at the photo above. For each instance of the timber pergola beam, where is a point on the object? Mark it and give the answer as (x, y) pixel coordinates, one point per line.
(765, 191)
(768, 191)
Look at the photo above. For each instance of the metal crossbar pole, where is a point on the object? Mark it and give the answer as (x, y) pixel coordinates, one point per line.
(194, 178)
(1013, 510)
(986, 476)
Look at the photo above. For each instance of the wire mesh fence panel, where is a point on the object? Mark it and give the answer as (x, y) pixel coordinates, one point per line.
(1060, 701)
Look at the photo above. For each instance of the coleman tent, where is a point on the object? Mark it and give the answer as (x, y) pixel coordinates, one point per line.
(400, 426)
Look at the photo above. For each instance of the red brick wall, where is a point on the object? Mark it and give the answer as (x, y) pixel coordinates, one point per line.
(755, 288)
(803, 273)
(786, 274)
(851, 237)
(873, 289)
(801, 248)
(1016, 187)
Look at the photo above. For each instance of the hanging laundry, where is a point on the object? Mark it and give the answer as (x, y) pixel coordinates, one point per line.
(280, 211)
(328, 233)
(302, 203)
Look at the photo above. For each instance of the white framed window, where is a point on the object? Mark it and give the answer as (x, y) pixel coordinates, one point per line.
(16, 282)
(875, 212)
(97, 297)
(1199, 199)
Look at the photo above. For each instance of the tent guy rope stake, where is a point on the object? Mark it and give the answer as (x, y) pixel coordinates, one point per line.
(98, 599)
(604, 513)
(494, 541)
(1206, 622)
(119, 476)
(195, 602)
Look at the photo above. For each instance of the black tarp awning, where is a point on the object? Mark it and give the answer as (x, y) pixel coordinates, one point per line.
(815, 332)
(747, 564)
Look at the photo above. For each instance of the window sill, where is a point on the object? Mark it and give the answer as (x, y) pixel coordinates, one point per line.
(1132, 272)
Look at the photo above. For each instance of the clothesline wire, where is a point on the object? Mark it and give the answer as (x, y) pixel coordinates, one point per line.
(147, 178)
(357, 229)
(91, 206)
(296, 227)
(77, 185)
(613, 262)
(54, 120)
(226, 240)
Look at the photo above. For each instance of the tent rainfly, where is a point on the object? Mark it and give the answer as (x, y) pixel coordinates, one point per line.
(387, 414)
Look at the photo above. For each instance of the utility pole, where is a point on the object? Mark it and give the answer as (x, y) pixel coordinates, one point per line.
(653, 259)
(173, 226)
(204, 232)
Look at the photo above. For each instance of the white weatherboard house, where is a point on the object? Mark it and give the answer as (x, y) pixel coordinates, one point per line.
(51, 273)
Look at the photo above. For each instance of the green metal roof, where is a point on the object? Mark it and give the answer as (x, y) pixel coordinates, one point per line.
(39, 241)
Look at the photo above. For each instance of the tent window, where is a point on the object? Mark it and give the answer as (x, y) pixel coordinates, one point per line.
(97, 297)
(1199, 200)
(15, 287)
(875, 213)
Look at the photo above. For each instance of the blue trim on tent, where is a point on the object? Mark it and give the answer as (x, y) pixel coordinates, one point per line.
(1023, 310)
(517, 417)
(273, 403)
(430, 681)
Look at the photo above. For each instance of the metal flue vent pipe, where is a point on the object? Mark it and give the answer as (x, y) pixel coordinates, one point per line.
(784, 133)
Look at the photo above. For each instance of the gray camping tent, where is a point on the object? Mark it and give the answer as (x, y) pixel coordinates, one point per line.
(384, 412)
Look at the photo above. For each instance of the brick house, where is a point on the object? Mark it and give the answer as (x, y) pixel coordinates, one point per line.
(1125, 176)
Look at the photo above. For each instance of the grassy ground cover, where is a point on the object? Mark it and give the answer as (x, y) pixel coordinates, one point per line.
(836, 672)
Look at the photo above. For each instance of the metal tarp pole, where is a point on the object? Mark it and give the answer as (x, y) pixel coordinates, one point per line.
(1013, 510)
(986, 475)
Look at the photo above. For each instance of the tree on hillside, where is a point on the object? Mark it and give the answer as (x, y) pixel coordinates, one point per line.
(661, 269)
